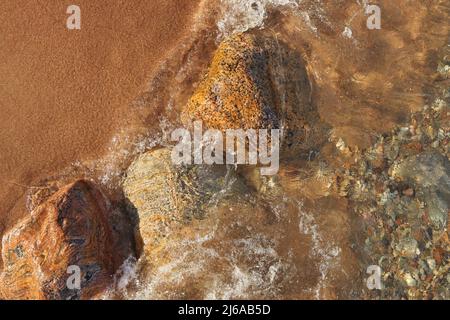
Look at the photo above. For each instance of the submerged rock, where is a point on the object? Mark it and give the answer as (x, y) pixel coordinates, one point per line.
(428, 169)
(71, 228)
(165, 195)
(255, 82)
(407, 188)
(429, 172)
(407, 247)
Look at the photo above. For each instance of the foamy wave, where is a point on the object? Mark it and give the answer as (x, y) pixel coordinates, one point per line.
(243, 15)
(328, 253)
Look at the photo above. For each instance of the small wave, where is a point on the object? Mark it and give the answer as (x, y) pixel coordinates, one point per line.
(328, 253)
(243, 15)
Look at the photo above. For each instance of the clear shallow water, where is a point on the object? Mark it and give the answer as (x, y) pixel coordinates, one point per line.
(299, 240)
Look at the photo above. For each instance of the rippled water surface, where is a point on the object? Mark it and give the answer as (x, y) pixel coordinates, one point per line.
(298, 239)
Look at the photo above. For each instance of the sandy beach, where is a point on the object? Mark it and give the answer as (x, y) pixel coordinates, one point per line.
(64, 93)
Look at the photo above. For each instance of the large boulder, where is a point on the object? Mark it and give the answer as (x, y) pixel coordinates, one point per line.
(165, 196)
(70, 231)
(256, 82)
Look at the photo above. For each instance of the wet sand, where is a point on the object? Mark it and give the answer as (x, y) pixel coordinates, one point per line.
(63, 94)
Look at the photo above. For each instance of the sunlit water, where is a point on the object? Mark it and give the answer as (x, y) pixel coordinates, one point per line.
(299, 239)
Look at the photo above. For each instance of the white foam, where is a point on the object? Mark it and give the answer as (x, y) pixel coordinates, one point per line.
(243, 15)
(348, 33)
(126, 274)
(327, 252)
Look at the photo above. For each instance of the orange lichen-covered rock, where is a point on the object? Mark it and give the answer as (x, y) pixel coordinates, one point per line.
(70, 229)
(255, 82)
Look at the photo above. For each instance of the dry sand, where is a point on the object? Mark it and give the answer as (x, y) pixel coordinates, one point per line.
(64, 93)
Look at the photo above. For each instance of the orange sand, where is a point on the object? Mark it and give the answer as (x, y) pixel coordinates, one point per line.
(64, 93)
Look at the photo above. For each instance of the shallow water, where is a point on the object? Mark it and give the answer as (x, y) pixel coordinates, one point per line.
(299, 239)
(304, 241)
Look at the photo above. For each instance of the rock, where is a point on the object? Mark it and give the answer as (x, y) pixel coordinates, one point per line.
(428, 169)
(71, 228)
(408, 192)
(165, 195)
(255, 82)
(36, 196)
(430, 173)
(431, 263)
(438, 208)
(409, 280)
(407, 247)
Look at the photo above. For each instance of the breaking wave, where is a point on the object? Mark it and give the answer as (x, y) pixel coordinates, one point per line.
(243, 15)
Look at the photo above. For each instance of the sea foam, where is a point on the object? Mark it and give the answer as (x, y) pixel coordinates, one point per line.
(243, 15)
